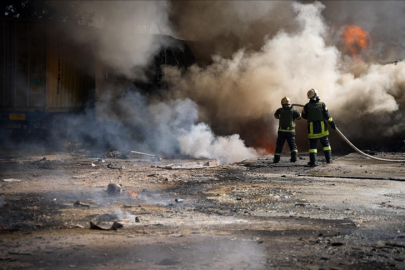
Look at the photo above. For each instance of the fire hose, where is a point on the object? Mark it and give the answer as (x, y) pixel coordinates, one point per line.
(355, 148)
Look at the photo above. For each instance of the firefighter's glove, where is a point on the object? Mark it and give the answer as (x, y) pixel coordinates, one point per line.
(332, 125)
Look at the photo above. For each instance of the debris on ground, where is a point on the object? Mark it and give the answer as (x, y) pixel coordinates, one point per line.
(11, 180)
(115, 154)
(251, 215)
(115, 226)
(80, 204)
(114, 189)
(153, 158)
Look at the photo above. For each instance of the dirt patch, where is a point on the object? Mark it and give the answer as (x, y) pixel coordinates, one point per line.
(193, 214)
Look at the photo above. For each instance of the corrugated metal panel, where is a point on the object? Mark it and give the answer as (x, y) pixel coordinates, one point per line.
(68, 84)
(37, 66)
(41, 69)
(22, 66)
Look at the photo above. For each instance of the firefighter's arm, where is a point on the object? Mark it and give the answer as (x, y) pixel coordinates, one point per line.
(297, 115)
(332, 123)
(277, 114)
(329, 117)
(304, 113)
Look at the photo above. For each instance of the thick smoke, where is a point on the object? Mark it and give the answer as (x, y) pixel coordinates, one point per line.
(168, 127)
(124, 37)
(365, 96)
(253, 54)
(125, 43)
(223, 27)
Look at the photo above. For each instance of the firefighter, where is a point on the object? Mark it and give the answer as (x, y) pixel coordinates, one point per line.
(317, 115)
(286, 130)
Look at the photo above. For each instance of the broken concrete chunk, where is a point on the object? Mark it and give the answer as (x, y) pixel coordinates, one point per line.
(114, 189)
(115, 226)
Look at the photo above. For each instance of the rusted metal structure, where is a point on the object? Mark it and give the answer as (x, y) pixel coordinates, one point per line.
(42, 74)
(45, 74)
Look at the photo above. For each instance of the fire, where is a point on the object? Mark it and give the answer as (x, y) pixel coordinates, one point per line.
(133, 194)
(266, 144)
(355, 38)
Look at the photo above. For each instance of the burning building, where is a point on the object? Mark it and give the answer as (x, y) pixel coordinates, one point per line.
(253, 54)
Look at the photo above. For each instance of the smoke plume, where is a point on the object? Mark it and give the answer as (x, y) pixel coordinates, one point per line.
(250, 55)
(125, 33)
(301, 50)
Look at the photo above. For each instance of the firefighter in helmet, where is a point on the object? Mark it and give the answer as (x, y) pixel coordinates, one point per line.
(317, 115)
(286, 130)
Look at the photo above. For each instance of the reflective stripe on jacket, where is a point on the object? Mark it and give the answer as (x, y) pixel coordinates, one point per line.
(316, 113)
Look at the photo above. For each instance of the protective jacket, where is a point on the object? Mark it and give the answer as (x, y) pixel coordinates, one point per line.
(317, 114)
(287, 117)
(286, 131)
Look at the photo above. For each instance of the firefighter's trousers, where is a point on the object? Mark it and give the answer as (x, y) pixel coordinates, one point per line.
(313, 149)
(290, 138)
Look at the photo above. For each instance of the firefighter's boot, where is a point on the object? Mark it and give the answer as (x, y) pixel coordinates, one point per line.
(328, 156)
(312, 160)
(293, 156)
(276, 159)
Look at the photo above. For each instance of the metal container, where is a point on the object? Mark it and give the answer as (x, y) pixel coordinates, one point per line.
(42, 72)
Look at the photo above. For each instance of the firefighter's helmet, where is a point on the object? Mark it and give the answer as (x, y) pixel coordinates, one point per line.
(286, 101)
(312, 93)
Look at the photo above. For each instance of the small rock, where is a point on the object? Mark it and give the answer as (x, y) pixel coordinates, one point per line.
(114, 189)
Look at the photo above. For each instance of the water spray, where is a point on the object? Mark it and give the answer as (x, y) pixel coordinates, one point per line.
(355, 148)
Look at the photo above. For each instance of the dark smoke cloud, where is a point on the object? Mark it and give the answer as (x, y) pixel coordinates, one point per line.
(255, 52)
(223, 27)
(300, 49)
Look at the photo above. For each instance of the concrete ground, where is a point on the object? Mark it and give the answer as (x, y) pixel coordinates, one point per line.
(195, 214)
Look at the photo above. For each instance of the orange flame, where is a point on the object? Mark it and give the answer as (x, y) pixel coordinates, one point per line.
(355, 38)
(266, 144)
(133, 194)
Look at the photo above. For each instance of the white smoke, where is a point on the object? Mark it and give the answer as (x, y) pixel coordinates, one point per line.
(261, 52)
(250, 85)
(176, 127)
(166, 127)
(201, 142)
